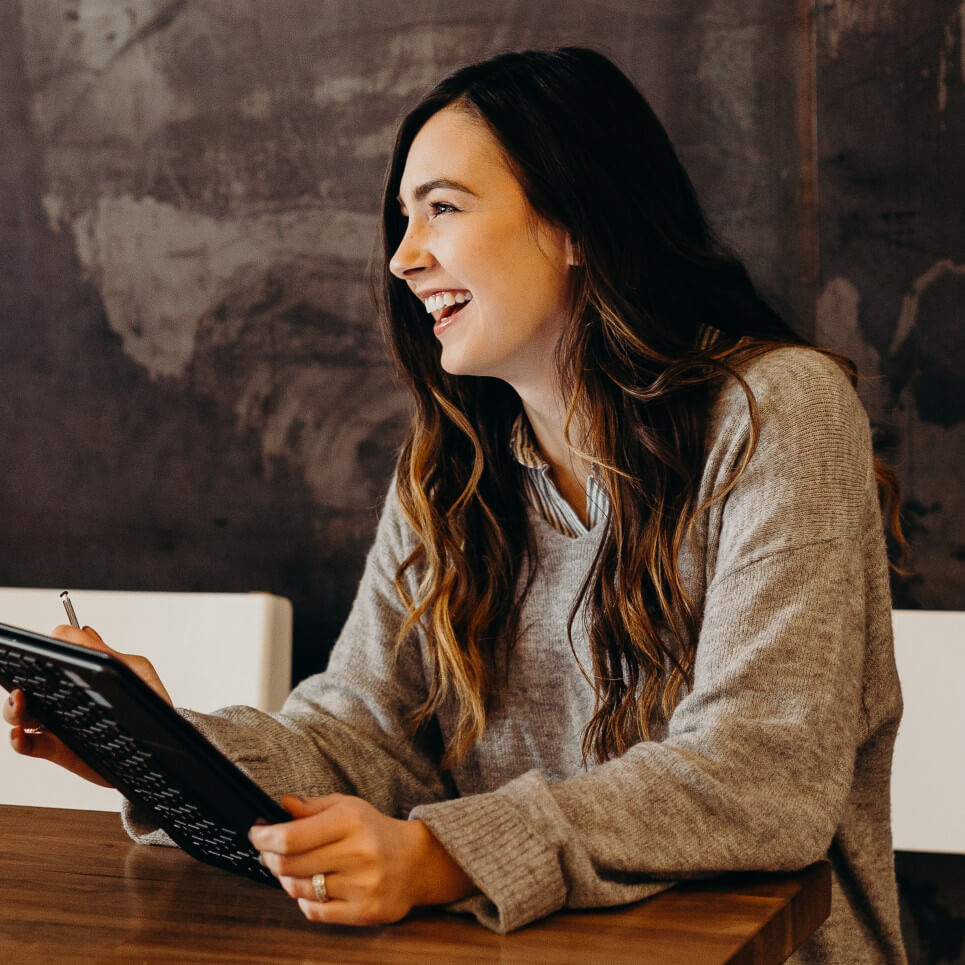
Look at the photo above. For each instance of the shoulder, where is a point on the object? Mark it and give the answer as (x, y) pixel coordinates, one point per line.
(803, 401)
(789, 379)
(809, 474)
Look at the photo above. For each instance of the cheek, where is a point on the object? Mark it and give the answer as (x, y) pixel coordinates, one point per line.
(506, 271)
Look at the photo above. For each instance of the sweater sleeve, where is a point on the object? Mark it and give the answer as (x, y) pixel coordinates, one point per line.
(757, 762)
(343, 730)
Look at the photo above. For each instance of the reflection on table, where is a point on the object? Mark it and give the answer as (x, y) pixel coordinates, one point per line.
(73, 887)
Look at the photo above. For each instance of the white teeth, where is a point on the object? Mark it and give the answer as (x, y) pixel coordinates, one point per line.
(443, 299)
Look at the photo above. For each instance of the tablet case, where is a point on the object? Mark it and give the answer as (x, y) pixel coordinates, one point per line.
(118, 725)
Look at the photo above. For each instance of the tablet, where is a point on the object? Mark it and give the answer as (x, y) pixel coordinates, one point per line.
(162, 764)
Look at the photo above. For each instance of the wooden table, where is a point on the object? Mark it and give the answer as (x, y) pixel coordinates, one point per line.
(74, 888)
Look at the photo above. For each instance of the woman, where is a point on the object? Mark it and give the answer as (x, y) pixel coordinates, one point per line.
(626, 619)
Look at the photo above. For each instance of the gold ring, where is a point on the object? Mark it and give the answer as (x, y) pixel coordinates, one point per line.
(318, 883)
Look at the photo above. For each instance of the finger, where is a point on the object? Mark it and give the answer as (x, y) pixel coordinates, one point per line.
(339, 913)
(90, 638)
(301, 807)
(96, 635)
(301, 886)
(87, 637)
(15, 711)
(45, 746)
(330, 912)
(10, 714)
(301, 834)
(31, 743)
(338, 856)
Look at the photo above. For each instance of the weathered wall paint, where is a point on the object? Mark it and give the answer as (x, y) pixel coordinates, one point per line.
(190, 193)
(195, 396)
(890, 125)
(891, 143)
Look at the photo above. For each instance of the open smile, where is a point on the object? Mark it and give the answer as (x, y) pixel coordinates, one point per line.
(446, 302)
(443, 306)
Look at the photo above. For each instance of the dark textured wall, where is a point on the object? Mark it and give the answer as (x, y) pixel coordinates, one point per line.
(195, 395)
(891, 139)
(890, 122)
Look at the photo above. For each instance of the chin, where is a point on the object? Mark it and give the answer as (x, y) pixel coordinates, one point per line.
(451, 369)
(454, 364)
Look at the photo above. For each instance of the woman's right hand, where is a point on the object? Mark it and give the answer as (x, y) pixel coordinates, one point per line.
(27, 735)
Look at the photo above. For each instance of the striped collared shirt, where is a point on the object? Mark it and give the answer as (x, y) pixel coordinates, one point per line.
(541, 492)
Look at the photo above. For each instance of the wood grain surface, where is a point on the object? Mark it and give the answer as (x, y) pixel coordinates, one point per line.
(74, 888)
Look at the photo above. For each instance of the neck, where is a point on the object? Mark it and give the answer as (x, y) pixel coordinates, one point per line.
(547, 418)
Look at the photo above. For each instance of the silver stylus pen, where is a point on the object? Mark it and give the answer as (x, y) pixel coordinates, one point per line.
(69, 607)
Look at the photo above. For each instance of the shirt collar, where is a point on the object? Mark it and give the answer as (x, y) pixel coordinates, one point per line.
(523, 446)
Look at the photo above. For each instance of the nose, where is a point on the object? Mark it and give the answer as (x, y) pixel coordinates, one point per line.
(412, 255)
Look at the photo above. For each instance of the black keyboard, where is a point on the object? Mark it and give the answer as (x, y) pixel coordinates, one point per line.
(137, 760)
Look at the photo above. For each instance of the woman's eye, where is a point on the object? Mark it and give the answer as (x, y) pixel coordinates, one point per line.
(441, 207)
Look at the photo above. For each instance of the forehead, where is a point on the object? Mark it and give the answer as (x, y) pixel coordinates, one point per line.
(455, 145)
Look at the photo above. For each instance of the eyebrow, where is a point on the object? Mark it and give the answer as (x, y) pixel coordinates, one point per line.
(423, 189)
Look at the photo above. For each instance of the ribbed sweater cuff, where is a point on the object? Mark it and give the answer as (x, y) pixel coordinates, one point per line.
(140, 827)
(518, 873)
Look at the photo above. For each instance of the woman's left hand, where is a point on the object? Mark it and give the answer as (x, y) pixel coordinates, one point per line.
(376, 868)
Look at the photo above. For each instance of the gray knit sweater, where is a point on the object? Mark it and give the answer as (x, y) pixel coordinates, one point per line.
(778, 756)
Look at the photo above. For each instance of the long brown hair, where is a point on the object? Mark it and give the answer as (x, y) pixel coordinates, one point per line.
(662, 314)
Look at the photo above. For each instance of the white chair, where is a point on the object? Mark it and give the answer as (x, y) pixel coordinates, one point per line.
(928, 775)
(209, 649)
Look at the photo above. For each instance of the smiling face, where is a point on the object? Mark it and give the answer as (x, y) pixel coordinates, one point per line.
(493, 276)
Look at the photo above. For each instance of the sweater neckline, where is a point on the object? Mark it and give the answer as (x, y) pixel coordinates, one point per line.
(549, 531)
